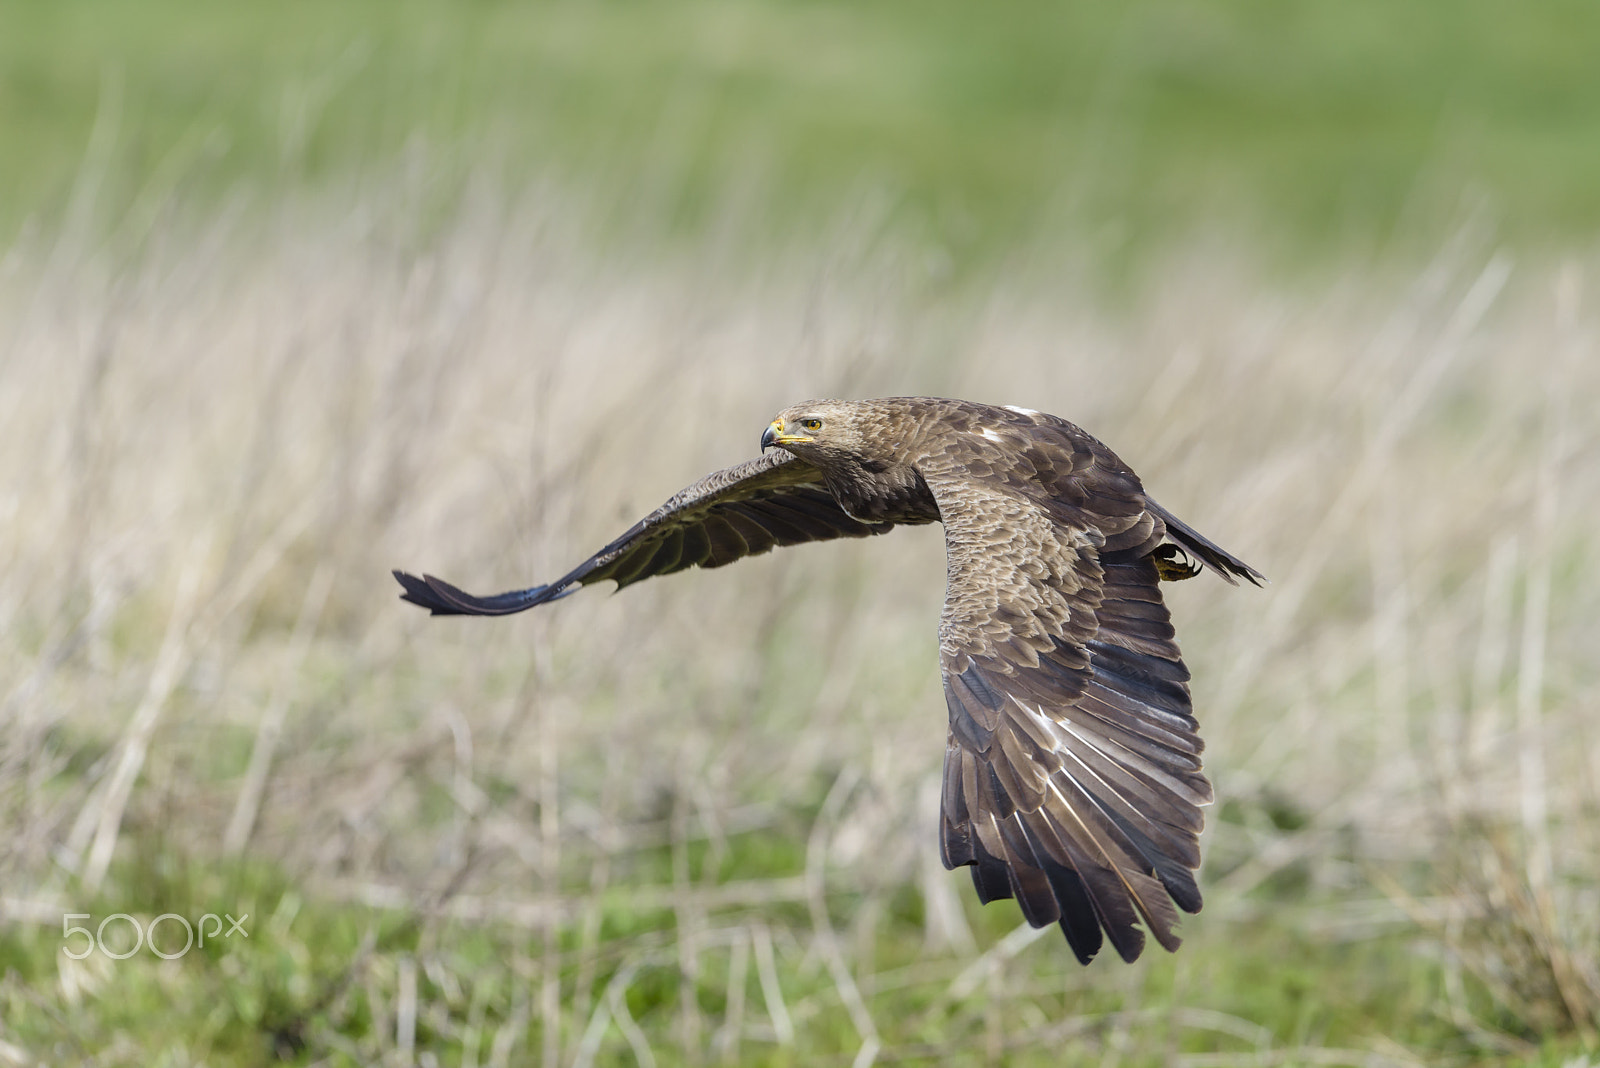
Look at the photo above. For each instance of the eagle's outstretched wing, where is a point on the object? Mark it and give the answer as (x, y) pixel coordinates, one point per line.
(1072, 774)
(740, 511)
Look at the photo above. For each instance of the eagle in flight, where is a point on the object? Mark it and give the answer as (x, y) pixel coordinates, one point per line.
(1072, 773)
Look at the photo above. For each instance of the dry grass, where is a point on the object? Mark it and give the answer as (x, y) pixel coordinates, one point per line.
(212, 450)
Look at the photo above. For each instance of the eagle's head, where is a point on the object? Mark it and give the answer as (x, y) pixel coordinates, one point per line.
(823, 430)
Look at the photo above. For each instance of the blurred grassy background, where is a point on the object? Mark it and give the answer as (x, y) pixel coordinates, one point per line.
(1356, 129)
(292, 294)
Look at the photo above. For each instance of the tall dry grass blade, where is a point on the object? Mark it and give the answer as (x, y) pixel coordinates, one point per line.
(471, 804)
(725, 1044)
(824, 936)
(405, 1010)
(549, 795)
(1533, 802)
(1494, 645)
(771, 987)
(1581, 1002)
(171, 660)
(594, 1033)
(688, 922)
(270, 728)
(1391, 640)
(472, 1031)
(591, 916)
(617, 1004)
(509, 1032)
(1536, 612)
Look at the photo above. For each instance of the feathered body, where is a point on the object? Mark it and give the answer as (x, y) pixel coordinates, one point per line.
(1072, 776)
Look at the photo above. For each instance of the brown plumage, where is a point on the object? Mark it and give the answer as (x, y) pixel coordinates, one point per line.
(1072, 777)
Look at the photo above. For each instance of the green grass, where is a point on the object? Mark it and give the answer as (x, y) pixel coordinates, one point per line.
(1317, 130)
(320, 981)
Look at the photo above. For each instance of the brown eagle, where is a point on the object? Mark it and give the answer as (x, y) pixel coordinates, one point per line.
(1072, 775)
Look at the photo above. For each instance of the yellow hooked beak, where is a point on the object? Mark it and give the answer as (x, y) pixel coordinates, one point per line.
(774, 435)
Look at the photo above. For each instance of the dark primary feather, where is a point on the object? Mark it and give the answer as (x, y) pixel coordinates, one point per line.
(443, 599)
(1072, 777)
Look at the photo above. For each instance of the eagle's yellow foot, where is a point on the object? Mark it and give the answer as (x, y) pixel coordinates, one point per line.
(1173, 564)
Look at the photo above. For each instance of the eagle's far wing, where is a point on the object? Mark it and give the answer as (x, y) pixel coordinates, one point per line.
(740, 511)
(1072, 778)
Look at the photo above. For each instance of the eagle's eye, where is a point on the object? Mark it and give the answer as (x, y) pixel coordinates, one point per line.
(812, 424)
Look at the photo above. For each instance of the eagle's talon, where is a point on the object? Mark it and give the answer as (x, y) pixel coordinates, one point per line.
(1173, 564)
